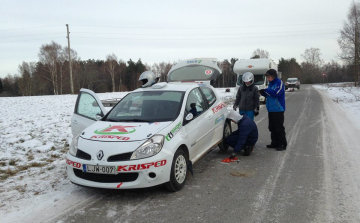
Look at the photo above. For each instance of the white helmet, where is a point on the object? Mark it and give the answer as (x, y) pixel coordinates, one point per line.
(248, 77)
(147, 78)
(235, 116)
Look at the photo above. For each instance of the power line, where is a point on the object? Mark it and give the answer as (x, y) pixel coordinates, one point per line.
(32, 35)
(32, 39)
(39, 27)
(192, 34)
(205, 38)
(144, 27)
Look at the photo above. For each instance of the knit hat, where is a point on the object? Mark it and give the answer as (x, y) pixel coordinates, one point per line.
(235, 116)
(271, 72)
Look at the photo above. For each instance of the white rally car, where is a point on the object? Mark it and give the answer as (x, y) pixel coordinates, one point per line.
(150, 137)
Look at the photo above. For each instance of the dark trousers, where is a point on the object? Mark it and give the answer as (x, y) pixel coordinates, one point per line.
(277, 129)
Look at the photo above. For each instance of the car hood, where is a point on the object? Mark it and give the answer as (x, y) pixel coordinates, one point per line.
(122, 131)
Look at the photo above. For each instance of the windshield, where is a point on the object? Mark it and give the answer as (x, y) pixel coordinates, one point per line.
(150, 106)
(291, 79)
(258, 79)
(193, 73)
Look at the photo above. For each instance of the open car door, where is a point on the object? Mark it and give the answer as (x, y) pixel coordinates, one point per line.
(87, 107)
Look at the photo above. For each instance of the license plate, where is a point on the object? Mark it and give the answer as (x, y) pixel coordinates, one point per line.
(100, 169)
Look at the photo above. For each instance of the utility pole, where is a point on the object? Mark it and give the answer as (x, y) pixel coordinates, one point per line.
(71, 79)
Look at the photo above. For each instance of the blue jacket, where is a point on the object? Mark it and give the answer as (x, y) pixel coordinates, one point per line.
(275, 96)
(247, 134)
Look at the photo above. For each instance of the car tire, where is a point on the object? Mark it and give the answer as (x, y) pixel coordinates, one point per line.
(178, 172)
(226, 132)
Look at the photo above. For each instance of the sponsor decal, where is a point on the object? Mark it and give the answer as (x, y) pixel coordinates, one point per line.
(110, 137)
(219, 119)
(194, 61)
(155, 123)
(173, 132)
(144, 166)
(116, 130)
(219, 107)
(250, 66)
(208, 72)
(73, 164)
(119, 185)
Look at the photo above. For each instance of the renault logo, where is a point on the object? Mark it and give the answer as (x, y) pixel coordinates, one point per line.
(100, 155)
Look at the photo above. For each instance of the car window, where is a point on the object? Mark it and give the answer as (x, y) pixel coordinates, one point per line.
(88, 106)
(150, 106)
(209, 95)
(195, 103)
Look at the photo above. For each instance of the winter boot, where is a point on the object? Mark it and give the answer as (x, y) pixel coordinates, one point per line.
(272, 146)
(281, 148)
(248, 150)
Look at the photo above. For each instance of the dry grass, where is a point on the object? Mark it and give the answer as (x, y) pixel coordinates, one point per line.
(4, 174)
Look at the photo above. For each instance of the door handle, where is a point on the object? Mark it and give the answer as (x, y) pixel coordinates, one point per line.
(210, 116)
(75, 121)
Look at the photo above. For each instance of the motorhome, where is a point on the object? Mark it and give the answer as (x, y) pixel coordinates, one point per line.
(258, 67)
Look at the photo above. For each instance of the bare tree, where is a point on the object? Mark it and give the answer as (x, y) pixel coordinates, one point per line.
(49, 56)
(260, 53)
(111, 66)
(312, 64)
(349, 39)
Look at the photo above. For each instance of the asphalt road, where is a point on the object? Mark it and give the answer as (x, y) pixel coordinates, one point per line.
(267, 186)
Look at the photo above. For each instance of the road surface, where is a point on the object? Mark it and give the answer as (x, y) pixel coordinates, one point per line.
(314, 180)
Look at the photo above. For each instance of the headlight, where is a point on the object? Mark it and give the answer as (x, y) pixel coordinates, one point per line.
(74, 145)
(150, 148)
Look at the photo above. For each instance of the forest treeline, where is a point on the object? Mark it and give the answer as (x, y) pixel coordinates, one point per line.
(51, 74)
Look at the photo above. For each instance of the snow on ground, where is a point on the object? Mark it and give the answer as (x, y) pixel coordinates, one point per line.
(346, 96)
(35, 136)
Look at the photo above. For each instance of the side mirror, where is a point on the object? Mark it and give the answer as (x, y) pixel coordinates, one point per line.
(189, 117)
(98, 117)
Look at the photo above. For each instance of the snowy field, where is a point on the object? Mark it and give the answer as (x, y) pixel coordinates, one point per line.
(36, 135)
(347, 96)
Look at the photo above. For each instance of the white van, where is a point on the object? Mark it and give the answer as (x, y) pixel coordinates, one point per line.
(258, 67)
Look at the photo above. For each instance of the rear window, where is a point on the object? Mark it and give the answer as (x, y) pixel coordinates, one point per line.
(193, 73)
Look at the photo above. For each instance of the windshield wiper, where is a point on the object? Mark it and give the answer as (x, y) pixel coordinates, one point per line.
(111, 120)
(134, 120)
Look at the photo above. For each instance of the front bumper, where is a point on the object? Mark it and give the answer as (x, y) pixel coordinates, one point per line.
(133, 174)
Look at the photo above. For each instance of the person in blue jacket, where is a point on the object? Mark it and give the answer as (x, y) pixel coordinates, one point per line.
(275, 104)
(245, 137)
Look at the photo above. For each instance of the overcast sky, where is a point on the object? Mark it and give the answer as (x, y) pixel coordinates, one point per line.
(162, 30)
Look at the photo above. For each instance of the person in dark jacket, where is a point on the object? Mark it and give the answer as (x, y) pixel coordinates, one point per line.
(275, 104)
(247, 97)
(245, 137)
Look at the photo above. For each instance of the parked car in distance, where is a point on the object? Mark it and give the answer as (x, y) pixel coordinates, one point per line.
(292, 83)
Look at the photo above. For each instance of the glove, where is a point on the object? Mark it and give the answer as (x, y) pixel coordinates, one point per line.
(233, 155)
(256, 112)
(234, 107)
(261, 91)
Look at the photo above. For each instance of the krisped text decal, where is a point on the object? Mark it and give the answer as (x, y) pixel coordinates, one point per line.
(110, 137)
(173, 132)
(73, 164)
(219, 107)
(115, 130)
(219, 119)
(144, 166)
